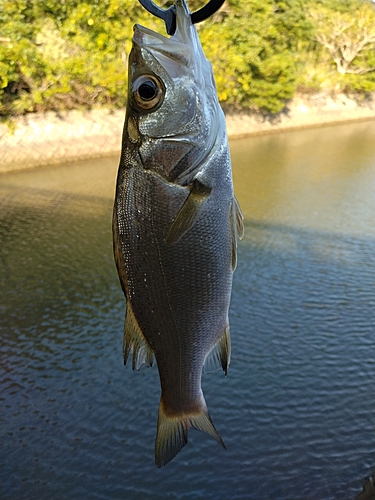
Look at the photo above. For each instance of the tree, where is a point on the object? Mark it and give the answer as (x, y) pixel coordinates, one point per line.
(57, 55)
(253, 65)
(348, 36)
(61, 55)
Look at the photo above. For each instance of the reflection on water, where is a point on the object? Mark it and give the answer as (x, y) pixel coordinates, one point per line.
(295, 410)
(317, 179)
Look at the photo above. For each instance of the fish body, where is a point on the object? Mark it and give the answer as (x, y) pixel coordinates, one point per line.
(175, 225)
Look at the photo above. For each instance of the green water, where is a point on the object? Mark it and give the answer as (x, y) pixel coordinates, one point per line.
(295, 410)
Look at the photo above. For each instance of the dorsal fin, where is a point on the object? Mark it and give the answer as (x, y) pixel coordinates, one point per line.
(237, 227)
(239, 219)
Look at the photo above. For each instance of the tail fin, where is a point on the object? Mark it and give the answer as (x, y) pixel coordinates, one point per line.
(172, 433)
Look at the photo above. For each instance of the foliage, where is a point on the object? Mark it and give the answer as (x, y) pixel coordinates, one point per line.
(64, 54)
(252, 65)
(350, 40)
(346, 37)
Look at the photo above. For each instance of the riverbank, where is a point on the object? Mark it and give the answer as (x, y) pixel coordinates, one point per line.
(48, 139)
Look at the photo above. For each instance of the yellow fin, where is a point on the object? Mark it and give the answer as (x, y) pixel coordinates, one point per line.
(172, 433)
(135, 340)
(189, 211)
(237, 226)
(219, 356)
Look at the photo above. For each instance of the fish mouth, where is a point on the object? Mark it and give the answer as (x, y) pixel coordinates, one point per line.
(179, 48)
(165, 50)
(180, 54)
(145, 37)
(184, 27)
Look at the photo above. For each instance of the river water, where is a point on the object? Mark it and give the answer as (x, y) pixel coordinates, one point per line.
(296, 409)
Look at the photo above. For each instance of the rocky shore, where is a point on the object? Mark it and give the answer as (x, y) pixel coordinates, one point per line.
(47, 139)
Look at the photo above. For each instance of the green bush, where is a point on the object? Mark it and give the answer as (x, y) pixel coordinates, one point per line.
(62, 55)
(252, 63)
(57, 55)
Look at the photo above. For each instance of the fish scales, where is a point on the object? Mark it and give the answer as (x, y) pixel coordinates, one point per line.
(173, 291)
(175, 228)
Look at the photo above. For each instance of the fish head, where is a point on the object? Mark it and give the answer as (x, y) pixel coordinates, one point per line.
(172, 103)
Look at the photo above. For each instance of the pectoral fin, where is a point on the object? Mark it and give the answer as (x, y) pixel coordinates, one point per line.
(219, 356)
(134, 339)
(237, 226)
(188, 213)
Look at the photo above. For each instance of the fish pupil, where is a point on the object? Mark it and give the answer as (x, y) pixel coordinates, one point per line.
(147, 90)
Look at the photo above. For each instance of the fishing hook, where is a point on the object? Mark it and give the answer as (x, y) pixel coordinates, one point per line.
(169, 15)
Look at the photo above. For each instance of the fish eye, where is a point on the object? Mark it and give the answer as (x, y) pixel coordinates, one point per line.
(147, 92)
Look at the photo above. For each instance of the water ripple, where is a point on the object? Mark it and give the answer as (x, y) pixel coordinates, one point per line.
(295, 410)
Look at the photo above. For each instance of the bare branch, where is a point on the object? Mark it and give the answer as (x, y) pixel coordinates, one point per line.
(345, 36)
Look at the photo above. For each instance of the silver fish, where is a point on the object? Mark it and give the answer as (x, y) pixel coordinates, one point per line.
(175, 225)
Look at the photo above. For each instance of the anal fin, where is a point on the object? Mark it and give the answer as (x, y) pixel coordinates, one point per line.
(188, 213)
(219, 356)
(134, 340)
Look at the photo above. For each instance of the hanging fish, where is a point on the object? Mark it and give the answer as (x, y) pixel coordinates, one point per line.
(175, 222)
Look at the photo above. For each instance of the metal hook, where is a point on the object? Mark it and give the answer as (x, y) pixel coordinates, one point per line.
(207, 11)
(169, 15)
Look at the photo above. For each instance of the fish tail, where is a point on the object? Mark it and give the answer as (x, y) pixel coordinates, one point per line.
(172, 432)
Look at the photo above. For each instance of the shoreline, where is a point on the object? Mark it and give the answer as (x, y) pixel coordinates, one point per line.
(303, 112)
(49, 139)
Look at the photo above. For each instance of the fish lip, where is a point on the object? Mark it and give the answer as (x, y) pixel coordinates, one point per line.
(183, 47)
(183, 24)
(153, 41)
(140, 32)
(163, 48)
